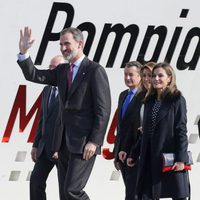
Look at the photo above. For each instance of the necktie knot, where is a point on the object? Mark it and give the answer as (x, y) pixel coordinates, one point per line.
(71, 67)
(130, 92)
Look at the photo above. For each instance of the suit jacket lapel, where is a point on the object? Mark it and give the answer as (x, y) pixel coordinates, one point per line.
(164, 109)
(82, 71)
(52, 106)
(121, 101)
(46, 101)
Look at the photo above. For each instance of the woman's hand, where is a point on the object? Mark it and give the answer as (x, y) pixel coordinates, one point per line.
(130, 162)
(178, 166)
(140, 129)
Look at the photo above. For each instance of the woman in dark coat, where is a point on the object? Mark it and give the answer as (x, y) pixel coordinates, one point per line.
(164, 131)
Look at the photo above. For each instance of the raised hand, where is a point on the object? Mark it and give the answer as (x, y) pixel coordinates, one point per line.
(26, 40)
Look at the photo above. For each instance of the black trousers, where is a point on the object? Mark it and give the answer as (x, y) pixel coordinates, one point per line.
(129, 175)
(74, 174)
(38, 178)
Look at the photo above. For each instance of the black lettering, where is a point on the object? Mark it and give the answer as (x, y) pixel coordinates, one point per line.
(191, 65)
(199, 127)
(184, 13)
(119, 30)
(90, 28)
(161, 31)
(48, 35)
(173, 44)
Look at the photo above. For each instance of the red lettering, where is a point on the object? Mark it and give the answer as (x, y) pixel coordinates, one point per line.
(110, 138)
(20, 105)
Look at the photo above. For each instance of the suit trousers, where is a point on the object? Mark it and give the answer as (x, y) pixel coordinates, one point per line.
(74, 173)
(39, 175)
(129, 175)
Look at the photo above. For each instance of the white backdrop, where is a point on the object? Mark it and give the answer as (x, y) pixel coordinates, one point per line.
(17, 14)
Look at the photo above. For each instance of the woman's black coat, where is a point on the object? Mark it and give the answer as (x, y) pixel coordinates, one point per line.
(169, 137)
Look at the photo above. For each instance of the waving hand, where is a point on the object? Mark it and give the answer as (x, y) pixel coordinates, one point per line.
(26, 40)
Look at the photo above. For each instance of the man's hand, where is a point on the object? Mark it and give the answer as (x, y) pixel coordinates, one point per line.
(122, 155)
(55, 156)
(33, 154)
(26, 40)
(89, 150)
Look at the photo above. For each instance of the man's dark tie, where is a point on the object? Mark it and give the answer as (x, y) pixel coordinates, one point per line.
(126, 102)
(70, 75)
(53, 96)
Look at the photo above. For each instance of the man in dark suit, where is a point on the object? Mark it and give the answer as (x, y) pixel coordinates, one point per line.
(41, 152)
(128, 122)
(85, 106)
